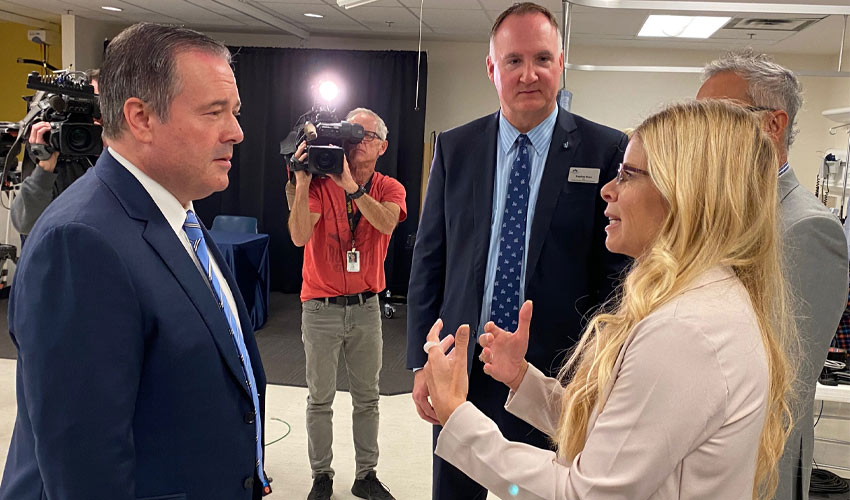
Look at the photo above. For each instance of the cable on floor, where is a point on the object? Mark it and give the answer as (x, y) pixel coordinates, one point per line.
(825, 482)
(288, 430)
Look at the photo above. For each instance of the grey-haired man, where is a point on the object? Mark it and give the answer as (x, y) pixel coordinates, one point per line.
(814, 244)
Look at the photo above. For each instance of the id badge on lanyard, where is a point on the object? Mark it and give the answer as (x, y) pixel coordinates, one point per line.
(352, 257)
(352, 261)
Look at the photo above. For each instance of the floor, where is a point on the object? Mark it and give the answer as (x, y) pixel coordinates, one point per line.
(404, 440)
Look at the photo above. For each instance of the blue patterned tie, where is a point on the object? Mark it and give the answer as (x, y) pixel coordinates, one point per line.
(504, 309)
(196, 237)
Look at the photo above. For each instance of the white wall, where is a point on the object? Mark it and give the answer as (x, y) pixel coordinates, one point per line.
(458, 88)
(82, 39)
(88, 44)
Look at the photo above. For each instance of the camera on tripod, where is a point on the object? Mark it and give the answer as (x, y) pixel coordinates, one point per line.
(326, 137)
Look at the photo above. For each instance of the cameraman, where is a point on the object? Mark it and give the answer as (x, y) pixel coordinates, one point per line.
(345, 222)
(46, 182)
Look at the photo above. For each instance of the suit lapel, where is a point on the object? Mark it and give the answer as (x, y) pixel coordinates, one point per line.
(484, 154)
(554, 176)
(162, 239)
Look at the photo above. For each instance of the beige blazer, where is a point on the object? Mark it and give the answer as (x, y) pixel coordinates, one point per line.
(682, 417)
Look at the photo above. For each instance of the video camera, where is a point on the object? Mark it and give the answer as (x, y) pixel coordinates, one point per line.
(325, 136)
(67, 101)
(71, 107)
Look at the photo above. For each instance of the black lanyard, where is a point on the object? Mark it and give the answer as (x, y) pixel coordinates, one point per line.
(354, 218)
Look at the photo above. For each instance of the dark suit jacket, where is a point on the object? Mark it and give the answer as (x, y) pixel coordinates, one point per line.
(128, 383)
(569, 270)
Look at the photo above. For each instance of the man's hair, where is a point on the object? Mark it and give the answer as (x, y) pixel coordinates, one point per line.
(141, 62)
(525, 8)
(768, 84)
(93, 74)
(381, 128)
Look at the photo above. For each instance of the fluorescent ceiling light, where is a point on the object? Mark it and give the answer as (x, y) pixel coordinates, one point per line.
(350, 4)
(310, 14)
(682, 26)
(113, 9)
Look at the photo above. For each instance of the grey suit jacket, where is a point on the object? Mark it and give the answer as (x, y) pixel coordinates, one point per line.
(816, 269)
(681, 417)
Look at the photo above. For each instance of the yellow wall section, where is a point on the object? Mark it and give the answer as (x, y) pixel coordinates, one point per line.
(13, 76)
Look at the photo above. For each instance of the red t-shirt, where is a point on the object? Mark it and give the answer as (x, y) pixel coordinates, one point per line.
(324, 273)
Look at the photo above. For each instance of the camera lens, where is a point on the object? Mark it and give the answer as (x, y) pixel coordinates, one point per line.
(79, 139)
(325, 161)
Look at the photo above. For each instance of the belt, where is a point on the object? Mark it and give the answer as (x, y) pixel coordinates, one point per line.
(344, 300)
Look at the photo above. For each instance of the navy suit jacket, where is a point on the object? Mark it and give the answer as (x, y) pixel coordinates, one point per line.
(569, 270)
(128, 382)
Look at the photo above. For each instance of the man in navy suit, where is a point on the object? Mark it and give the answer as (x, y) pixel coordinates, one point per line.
(513, 212)
(138, 375)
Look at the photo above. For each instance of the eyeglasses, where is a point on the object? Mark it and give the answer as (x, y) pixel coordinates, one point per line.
(625, 172)
(760, 108)
(370, 136)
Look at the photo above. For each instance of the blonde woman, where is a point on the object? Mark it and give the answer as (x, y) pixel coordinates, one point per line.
(680, 390)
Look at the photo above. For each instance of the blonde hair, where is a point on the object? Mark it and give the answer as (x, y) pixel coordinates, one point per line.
(717, 171)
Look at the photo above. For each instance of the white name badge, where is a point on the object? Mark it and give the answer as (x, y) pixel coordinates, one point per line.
(584, 175)
(352, 261)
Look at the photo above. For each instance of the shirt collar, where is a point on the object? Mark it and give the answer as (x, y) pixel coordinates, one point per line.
(174, 212)
(540, 136)
(784, 168)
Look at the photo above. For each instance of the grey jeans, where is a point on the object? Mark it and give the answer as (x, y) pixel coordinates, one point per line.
(356, 329)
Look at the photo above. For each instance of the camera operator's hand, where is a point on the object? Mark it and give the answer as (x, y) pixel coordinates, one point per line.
(345, 180)
(37, 137)
(302, 177)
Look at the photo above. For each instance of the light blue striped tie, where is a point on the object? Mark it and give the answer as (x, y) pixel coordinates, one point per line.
(196, 237)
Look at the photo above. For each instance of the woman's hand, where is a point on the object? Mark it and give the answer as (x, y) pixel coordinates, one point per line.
(446, 375)
(504, 352)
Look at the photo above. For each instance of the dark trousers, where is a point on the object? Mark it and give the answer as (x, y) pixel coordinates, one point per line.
(489, 396)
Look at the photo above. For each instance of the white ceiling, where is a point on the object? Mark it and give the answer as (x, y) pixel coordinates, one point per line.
(461, 20)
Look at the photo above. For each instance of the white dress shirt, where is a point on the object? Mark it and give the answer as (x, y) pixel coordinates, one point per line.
(175, 215)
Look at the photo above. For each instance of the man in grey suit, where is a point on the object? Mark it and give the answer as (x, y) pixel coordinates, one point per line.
(814, 244)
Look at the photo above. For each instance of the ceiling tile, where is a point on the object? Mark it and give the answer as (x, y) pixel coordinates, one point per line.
(399, 16)
(460, 20)
(296, 11)
(454, 21)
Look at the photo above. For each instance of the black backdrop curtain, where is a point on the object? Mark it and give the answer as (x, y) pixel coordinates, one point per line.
(275, 88)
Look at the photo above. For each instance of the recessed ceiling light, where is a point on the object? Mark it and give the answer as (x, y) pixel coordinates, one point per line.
(113, 9)
(350, 4)
(310, 14)
(682, 26)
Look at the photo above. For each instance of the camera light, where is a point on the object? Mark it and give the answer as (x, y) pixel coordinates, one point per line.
(328, 90)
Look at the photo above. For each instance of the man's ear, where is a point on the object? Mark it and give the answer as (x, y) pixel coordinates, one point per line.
(777, 125)
(384, 148)
(139, 117)
(490, 68)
